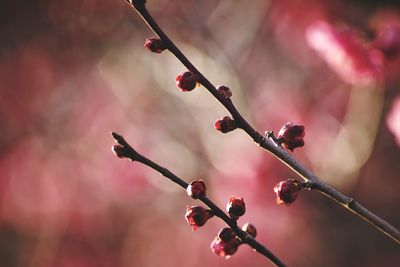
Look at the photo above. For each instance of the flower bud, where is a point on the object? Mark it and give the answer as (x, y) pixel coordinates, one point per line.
(225, 124)
(197, 216)
(226, 234)
(119, 151)
(287, 191)
(196, 189)
(186, 81)
(250, 229)
(225, 91)
(155, 44)
(223, 248)
(291, 136)
(235, 207)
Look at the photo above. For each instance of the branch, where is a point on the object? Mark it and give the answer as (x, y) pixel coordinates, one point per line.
(124, 150)
(268, 142)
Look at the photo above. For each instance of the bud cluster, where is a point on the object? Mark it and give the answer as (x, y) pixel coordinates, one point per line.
(226, 243)
(225, 124)
(290, 136)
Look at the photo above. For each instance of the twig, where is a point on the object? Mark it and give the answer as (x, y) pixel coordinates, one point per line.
(132, 154)
(269, 144)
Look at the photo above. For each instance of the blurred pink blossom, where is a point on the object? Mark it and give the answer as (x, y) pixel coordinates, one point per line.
(388, 39)
(386, 27)
(345, 53)
(393, 120)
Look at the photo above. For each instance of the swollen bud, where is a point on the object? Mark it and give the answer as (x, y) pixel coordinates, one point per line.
(196, 189)
(225, 91)
(119, 151)
(291, 136)
(226, 234)
(187, 81)
(225, 124)
(155, 45)
(197, 216)
(287, 191)
(235, 207)
(224, 248)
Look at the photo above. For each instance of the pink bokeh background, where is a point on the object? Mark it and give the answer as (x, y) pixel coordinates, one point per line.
(72, 71)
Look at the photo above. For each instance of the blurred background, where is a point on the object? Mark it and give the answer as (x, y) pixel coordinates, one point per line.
(72, 71)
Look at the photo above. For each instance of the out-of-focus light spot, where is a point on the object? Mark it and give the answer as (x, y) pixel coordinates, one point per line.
(341, 159)
(40, 185)
(177, 157)
(393, 120)
(93, 17)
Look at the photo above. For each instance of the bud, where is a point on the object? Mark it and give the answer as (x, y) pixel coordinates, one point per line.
(119, 151)
(186, 81)
(250, 229)
(225, 124)
(155, 44)
(225, 91)
(197, 216)
(235, 207)
(223, 248)
(196, 189)
(291, 136)
(287, 191)
(226, 234)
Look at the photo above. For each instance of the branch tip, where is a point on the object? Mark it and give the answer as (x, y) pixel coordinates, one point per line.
(118, 138)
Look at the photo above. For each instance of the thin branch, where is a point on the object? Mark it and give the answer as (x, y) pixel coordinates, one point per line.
(133, 155)
(268, 144)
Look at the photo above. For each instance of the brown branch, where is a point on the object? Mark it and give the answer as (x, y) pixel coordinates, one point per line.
(269, 144)
(127, 151)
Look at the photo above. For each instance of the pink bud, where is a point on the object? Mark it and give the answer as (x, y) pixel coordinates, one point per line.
(223, 248)
(196, 189)
(186, 81)
(291, 136)
(226, 234)
(197, 216)
(119, 151)
(236, 207)
(225, 124)
(287, 191)
(225, 91)
(154, 44)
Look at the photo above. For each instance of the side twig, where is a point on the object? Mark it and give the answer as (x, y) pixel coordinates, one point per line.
(267, 142)
(127, 151)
